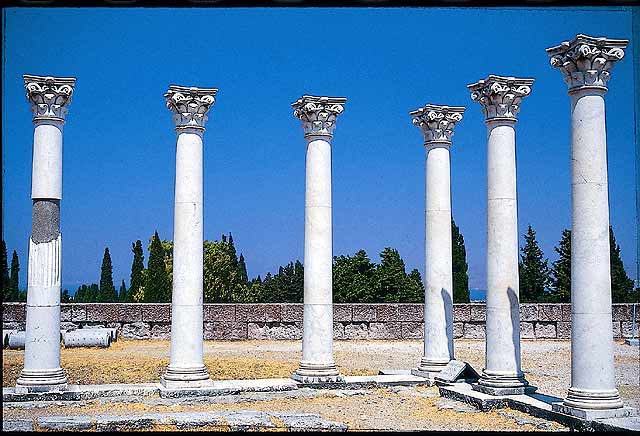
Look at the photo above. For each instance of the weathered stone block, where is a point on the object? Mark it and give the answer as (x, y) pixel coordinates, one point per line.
(13, 325)
(546, 330)
(461, 312)
(549, 312)
(129, 312)
(627, 329)
(478, 312)
(272, 313)
(219, 312)
(233, 331)
(526, 330)
(13, 312)
(338, 330)
(528, 312)
(78, 312)
(412, 330)
(65, 312)
(411, 312)
(387, 312)
(251, 313)
(102, 312)
(566, 312)
(291, 312)
(136, 330)
(458, 329)
(385, 330)
(342, 312)
(257, 331)
(363, 312)
(622, 312)
(563, 330)
(156, 312)
(356, 331)
(282, 331)
(617, 331)
(66, 325)
(474, 330)
(161, 331)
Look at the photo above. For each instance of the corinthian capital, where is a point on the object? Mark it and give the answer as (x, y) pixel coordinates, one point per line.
(48, 96)
(586, 62)
(190, 105)
(500, 96)
(437, 122)
(318, 114)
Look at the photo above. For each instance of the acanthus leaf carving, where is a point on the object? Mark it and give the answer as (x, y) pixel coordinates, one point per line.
(49, 97)
(190, 105)
(499, 96)
(318, 114)
(437, 122)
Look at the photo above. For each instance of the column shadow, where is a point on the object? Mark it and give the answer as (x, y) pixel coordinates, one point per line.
(448, 313)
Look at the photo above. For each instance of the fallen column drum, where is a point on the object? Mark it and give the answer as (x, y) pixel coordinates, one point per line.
(87, 338)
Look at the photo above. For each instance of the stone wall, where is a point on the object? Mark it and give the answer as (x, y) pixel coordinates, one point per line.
(284, 321)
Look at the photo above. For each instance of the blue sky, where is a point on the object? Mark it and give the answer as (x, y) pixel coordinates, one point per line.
(119, 143)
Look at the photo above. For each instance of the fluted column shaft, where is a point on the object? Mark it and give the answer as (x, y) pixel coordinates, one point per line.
(186, 367)
(49, 98)
(318, 116)
(500, 98)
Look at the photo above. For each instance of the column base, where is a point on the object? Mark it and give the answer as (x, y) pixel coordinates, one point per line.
(493, 383)
(593, 400)
(621, 412)
(317, 373)
(185, 377)
(429, 367)
(41, 380)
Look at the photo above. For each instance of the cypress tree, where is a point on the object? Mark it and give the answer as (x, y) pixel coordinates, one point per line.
(122, 293)
(621, 284)
(459, 266)
(14, 279)
(81, 294)
(107, 292)
(92, 293)
(137, 267)
(561, 270)
(242, 270)
(64, 296)
(233, 254)
(157, 288)
(533, 270)
(4, 270)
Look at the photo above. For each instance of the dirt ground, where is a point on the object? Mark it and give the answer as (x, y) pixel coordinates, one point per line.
(546, 364)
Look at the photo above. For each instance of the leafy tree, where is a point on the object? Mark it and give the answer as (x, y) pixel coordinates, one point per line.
(4, 270)
(219, 274)
(14, 291)
(107, 292)
(561, 270)
(621, 285)
(533, 270)
(353, 279)
(64, 296)
(157, 285)
(137, 267)
(392, 283)
(122, 293)
(167, 246)
(459, 266)
(242, 270)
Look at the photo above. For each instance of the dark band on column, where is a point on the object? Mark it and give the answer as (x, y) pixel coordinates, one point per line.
(45, 224)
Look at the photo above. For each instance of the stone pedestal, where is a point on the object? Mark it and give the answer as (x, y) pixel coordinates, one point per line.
(437, 124)
(318, 116)
(500, 98)
(49, 98)
(585, 63)
(186, 368)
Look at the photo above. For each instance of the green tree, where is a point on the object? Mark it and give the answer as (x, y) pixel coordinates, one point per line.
(122, 293)
(137, 267)
(621, 285)
(233, 253)
(64, 296)
(561, 271)
(533, 270)
(459, 266)
(219, 273)
(242, 270)
(392, 283)
(4, 270)
(14, 279)
(107, 292)
(157, 286)
(353, 279)
(93, 292)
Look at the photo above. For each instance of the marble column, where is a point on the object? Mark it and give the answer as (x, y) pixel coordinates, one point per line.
(318, 116)
(437, 124)
(500, 98)
(585, 63)
(49, 98)
(190, 107)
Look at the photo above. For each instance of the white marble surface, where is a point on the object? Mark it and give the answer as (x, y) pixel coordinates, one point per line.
(46, 179)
